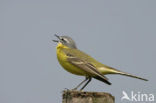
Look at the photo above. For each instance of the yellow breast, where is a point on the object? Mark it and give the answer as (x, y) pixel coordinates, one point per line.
(62, 58)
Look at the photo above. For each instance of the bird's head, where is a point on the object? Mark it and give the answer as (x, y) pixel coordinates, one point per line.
(66, 40)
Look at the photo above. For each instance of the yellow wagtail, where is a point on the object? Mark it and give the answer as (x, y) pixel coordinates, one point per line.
(79, 63)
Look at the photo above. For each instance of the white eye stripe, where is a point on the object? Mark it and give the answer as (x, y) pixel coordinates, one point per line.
(66, 40)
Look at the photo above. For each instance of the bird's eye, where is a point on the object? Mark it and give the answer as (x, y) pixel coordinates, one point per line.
(63, 39)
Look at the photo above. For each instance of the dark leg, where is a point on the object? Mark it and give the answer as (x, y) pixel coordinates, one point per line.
(81, 83)
(89, 79)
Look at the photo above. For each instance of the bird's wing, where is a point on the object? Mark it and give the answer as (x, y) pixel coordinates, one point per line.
(87, 67)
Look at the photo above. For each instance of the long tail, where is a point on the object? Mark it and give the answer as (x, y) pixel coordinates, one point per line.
(133, 76)
(115, 71)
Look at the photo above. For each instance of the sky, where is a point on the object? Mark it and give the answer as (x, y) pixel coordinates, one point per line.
(118, 33)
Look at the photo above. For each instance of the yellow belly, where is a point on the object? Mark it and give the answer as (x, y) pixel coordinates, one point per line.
(67, 66)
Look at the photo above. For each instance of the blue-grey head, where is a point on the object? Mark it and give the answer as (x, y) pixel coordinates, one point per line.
(66, 40)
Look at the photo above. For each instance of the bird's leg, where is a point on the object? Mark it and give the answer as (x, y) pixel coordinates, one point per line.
(81, 83)
(89, 79)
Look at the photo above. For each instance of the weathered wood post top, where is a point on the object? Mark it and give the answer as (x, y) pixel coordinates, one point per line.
(71, 96)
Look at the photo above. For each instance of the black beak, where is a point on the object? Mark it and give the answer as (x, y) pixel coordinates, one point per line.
(57, 37)
(55, 41)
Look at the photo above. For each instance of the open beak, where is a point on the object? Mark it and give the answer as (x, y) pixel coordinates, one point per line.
(56, 40)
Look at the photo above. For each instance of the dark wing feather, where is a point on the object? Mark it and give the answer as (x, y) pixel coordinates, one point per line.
(87, 67)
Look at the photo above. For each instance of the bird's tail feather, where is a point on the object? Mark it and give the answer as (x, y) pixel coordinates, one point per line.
(130, 75)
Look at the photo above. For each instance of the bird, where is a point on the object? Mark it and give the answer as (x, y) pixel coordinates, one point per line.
(79, 63)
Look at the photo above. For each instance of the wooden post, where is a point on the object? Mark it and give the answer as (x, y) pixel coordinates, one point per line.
(70, 96)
